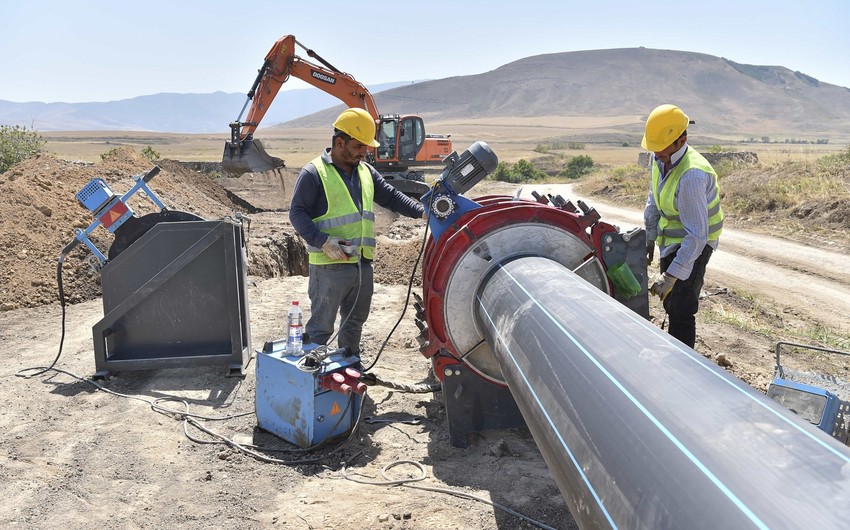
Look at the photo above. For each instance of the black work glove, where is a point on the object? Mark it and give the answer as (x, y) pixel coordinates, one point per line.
(650, 252)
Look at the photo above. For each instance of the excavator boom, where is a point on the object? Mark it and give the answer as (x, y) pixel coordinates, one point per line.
(403, 139)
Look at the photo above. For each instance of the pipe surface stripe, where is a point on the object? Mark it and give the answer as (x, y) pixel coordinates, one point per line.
(549, 419)
(670, 436)
(667, 338)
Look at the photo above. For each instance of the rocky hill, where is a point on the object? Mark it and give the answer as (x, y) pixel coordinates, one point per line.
(721, 95)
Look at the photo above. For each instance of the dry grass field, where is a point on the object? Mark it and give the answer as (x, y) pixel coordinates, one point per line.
(610, 141)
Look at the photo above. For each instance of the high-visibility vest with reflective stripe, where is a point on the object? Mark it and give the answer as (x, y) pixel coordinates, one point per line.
(342, 219)
(670, 228)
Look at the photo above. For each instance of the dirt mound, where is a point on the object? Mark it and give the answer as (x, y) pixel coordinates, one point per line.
(39, 212)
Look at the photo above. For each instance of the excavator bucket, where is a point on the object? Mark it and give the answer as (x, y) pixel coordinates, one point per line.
(248, 157)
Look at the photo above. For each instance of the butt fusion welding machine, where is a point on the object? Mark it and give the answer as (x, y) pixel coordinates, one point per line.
(304, 399)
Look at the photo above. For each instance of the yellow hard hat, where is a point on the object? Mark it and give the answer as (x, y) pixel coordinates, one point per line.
(358, 124)
(663, 127)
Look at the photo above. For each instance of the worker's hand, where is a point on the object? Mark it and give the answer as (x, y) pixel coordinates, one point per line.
(662, 285)
(332, 249)
(650, 252)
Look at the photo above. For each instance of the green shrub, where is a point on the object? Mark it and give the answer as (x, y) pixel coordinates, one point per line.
(838, 161)
(521, 171)
(525, 171)
(501, 173)
(110, 153)
(17, 144)
(150, 154)
(576, 167)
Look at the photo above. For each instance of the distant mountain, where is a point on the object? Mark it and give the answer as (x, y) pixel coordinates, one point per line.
(180, 113)
(721, 95)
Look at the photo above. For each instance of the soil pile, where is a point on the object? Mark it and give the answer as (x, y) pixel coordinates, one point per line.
(39, 213)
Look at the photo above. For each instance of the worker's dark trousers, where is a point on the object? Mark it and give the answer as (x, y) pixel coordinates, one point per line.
(682, 303)
(343, 289)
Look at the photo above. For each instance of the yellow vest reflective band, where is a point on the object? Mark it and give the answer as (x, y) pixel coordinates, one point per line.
(670, 229)
(342, 219)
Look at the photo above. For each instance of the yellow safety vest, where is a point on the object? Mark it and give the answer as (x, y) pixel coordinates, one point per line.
(670, 228)
(342, 219)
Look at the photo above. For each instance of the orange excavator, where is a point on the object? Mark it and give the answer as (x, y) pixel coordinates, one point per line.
(403, 142)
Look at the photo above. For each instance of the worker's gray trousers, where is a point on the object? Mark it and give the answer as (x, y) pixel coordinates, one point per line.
(344, 289)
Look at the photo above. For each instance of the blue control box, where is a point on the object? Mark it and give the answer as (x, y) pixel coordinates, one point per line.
(291, 403)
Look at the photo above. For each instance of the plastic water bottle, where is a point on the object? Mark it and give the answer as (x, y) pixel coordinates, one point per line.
(293, 341)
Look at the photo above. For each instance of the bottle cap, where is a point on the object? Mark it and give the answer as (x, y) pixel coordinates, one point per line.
(295, 302)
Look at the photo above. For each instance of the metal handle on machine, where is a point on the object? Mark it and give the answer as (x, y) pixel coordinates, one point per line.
(141, 184)
(779, 344)
(151, 174)
(68, 248)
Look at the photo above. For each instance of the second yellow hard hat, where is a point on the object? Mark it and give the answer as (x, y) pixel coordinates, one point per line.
(663, 127)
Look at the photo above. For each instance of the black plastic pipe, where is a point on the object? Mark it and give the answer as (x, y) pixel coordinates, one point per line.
(641, 431)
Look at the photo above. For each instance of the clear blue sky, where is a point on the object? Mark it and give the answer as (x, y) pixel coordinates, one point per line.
(97, 50)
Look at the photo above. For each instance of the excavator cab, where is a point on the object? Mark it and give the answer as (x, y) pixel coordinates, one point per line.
(387, 137)
(401, 137)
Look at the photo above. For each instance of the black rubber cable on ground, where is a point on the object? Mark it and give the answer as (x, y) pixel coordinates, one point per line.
(422, 475)
(192, 419)
(42, 369)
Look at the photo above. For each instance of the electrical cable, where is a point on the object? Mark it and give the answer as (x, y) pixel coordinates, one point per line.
(252, 450)
(423, 474)
(248, 449)
(420, 388)
(42, 369)
(410, 282)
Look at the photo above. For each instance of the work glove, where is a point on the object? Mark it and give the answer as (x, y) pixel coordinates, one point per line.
(333, 250)
(650, 252)
(662, 285)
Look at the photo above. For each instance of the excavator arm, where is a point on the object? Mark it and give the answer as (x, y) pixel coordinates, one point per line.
(243, 153)
(281, 62)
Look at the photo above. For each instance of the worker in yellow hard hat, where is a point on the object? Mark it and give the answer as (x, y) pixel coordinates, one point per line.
(333, 210)
(682, 216)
